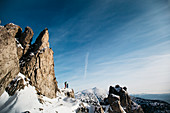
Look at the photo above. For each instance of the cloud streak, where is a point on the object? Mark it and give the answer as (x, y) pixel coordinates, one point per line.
(86, 64)
(125, 46)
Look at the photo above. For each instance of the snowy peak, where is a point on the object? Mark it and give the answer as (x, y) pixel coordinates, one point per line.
(93, 96)
(95, 90)
(99, 91)
(116, 101)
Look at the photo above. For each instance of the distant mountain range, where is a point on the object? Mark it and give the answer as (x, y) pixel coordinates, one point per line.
(163, 97)
(150, 103)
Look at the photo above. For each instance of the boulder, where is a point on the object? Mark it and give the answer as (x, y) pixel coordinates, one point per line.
(9, 62)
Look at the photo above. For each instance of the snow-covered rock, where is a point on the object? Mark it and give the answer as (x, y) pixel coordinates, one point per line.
(27, 100)
(67, 92)
(93, 97)
(116, 100)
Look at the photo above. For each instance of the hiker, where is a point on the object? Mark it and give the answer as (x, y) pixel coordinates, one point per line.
(65, 83)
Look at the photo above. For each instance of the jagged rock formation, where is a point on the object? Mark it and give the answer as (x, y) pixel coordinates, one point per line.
(68, 92)
(38, 65)
(120, 101)
(35, 61)
(25, 41)
(9, 63)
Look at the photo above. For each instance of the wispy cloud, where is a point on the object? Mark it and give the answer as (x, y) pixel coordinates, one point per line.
(126, 47)
(86, 64)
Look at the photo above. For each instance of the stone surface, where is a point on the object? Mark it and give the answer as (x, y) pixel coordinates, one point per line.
(68, 92)
(115, 107)
(118, 99)
(38, 65)
(26, 38)
(34, 61)
(15, 84)
(9, 63)
(42, 41)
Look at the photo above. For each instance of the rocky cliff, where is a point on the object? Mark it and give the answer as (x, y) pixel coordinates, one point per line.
(119, 101)
(35, 61)
(9, 62)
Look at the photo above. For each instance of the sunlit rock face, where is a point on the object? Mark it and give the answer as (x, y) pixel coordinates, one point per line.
(9, 62)
(38, 65)
(35, 61)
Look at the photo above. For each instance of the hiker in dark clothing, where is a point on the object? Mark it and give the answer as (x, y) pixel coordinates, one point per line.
(65, 83)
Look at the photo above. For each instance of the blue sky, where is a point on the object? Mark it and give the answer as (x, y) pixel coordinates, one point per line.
(98, 43)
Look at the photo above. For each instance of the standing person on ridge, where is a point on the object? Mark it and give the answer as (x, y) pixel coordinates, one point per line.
(65, 83)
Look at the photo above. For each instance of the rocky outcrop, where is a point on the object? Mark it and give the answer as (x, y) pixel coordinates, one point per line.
(38, 65)
(119, 101)
(68, 92)
(34, 61)
(15, 84)
(82, 109)
(9, 63)
(26, 39)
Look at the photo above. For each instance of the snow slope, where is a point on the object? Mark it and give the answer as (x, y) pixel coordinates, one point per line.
(27, 100)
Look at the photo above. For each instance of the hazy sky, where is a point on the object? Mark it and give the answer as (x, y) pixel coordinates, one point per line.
(102, 42)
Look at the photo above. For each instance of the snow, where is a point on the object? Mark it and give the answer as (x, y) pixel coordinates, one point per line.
(31, 54)
(11, 24)
(27, 100)
(65, 90)
(18, 44)
(23, 100)
(118, 89)
(113, 95)
(93, 96)
(21, 75)
(122, 109)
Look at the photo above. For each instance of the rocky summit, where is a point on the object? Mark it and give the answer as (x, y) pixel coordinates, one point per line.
(119, 101)
(35, 61)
